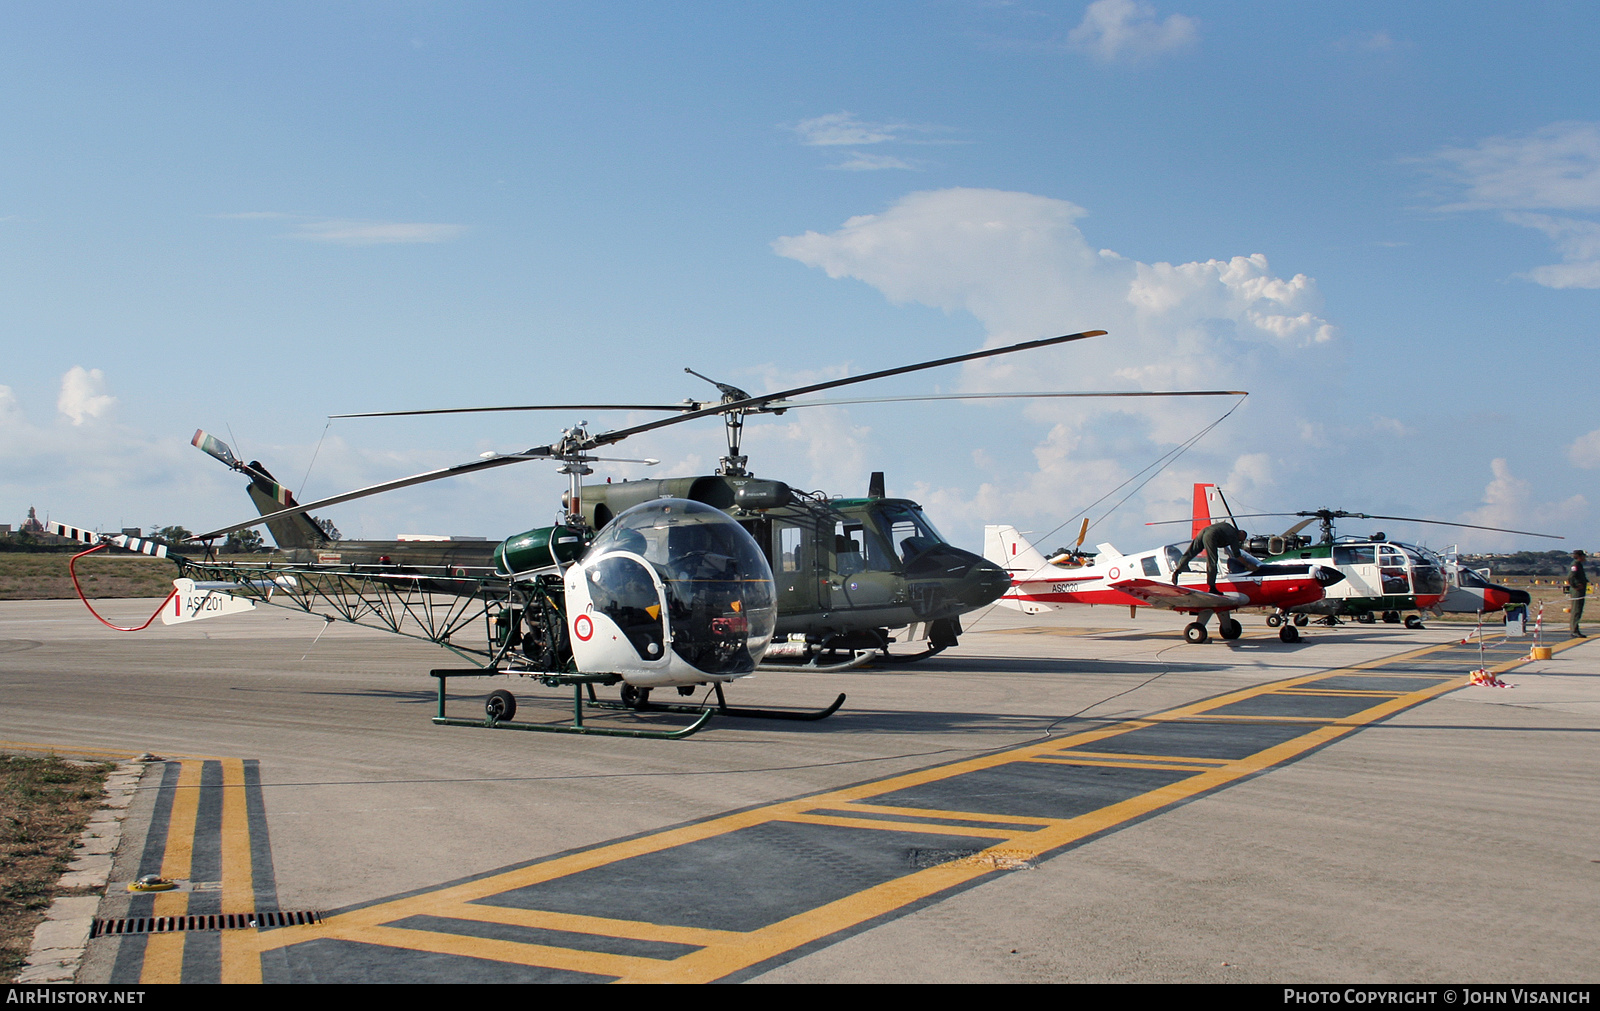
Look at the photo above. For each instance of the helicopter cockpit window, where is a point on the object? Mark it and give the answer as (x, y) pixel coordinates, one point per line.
(1470, 577)
(1392, 570)
(859, 549)
(1354, 554)
(622, 589)
(718, 590)
(908, 530)
(1426, 574)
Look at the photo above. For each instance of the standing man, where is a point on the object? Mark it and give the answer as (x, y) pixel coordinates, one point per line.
(1577, 589)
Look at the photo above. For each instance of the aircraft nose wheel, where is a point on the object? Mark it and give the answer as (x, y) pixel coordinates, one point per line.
(1302, 620)
(1274, 620)
(500, 706)
(1230, 629)
(1288, 633)
(1195, 632)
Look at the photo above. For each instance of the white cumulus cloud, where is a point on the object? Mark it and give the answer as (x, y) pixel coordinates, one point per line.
(1585, 450)
(1127, 31)
(1554, 168)
(1020, 264)
(83, 395)
(1508, 503)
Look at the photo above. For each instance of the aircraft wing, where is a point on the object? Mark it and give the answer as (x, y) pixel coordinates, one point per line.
(1156, 593)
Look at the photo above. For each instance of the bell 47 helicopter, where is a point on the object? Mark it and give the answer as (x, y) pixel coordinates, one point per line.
(631, 588)
(1145, 579)
(1382, 577)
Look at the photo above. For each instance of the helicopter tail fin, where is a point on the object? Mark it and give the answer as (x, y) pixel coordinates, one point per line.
(1006, 547)
(297, 531)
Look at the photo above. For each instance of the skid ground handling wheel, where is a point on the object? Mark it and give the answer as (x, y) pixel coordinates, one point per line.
(500, 706)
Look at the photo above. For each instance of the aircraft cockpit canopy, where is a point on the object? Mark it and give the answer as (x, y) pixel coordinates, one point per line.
(672, 565)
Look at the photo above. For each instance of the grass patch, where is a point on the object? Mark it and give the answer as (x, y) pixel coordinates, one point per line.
(44, 805)
(44, 577)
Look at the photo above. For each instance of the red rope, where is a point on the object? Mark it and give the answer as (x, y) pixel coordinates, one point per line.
(72, 570)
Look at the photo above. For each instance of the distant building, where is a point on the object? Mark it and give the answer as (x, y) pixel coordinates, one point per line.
(31, 525)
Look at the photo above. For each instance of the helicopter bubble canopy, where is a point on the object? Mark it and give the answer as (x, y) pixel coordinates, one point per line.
(671, 592)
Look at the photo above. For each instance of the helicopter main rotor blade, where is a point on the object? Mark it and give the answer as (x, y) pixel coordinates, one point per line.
(785, 406)
(525, 407)
(1441, 523)
(537, 453)
(758, 403)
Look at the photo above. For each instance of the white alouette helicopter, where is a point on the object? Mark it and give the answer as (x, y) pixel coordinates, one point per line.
(671, 593)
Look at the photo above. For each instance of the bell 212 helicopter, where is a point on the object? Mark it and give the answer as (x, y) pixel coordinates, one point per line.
(671, 593)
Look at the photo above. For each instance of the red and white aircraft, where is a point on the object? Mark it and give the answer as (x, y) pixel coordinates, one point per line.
(1145, 580)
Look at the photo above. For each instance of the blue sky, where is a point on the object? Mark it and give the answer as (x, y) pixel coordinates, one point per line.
(1383, 221)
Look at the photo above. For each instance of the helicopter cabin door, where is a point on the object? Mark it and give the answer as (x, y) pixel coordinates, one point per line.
(1359, 563)
(797, 566)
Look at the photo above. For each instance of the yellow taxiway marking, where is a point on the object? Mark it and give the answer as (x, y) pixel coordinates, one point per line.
(1018, 839)
(238, 877)
(163, 953)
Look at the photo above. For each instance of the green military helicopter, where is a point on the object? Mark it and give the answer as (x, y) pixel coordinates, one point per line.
(848, 571)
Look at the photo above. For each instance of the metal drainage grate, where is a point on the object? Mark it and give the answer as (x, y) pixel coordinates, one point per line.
(206, 921)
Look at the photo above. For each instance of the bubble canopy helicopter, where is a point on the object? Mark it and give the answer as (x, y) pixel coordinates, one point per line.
(676, 595)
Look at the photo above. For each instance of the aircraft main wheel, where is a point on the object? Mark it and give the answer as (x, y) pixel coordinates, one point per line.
(500, 706)
(1195, 632)
(1302, 620)
(1230, 629)
(1366, 618)
(1274, 620)
(1413, 621)
(635, 698)
(1391, 617)
(1288, 633)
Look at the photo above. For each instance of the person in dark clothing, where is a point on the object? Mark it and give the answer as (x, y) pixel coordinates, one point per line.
(1211, 541)
(1577, 589)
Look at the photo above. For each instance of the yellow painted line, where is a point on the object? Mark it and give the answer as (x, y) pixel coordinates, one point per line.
(240, 961)
(600, 926)
(514, 952)
(163, 953)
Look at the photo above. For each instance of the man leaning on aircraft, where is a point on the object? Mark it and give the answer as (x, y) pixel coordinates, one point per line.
(1212, 540)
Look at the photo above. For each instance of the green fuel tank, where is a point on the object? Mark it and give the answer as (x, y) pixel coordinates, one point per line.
(544, 549)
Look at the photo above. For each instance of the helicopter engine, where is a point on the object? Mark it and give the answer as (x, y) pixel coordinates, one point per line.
(671, 592)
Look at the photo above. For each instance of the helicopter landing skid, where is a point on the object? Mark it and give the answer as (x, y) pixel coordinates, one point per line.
(886, 657)
(578, 682)
(815, 666)
(723, 709)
